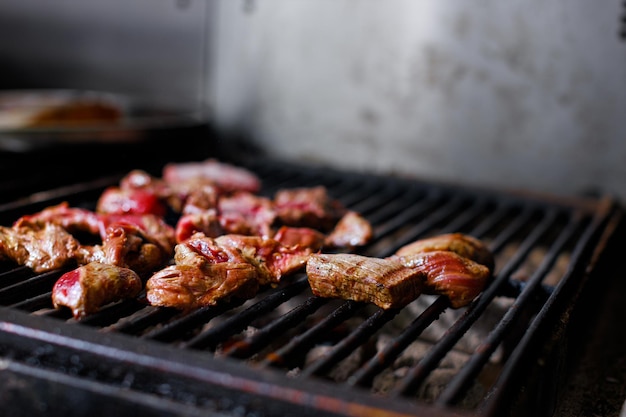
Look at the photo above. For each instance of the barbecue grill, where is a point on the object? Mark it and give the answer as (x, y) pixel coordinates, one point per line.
(286, 352)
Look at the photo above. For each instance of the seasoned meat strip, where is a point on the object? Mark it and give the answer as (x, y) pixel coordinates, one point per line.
(350, 231)
(385, 282)
(308, 207)
(226, 176)
(447, 273)
(208, 270)
(88, 288)
(204, 274)
(462, 244)
(41, 247)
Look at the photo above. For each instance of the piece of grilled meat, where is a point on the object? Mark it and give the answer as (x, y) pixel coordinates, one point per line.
(208, 270)
(455, 265)
(459, 243)
(385, 282)
(86, 289)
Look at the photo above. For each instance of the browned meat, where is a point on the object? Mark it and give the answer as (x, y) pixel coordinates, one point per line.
(126, 245)
(246, 214)
(88, 288)
(153, 229)
(385, 282)
(204, 274)
(397, 280)
(240, 213)
(462, 244)
(308, 207)
(449, 274)
(351, 230)
(268, 255)
(227, 177)
(72, 219)
(206, 222)
(208, 270)
(303, 237)
(41, 247)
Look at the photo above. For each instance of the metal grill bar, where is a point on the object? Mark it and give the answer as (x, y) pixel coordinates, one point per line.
(213, 336)
(462, 379)
(418, 374)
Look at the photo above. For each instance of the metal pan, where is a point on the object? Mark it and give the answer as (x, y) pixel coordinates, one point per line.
(23, 129)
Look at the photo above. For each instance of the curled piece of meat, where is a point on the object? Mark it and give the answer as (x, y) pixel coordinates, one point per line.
(385, 282)
(41, 247)
(204, 274)
(308, 207)
(447, 273)
(459, 243)
(227, 177)
(350, 231)
(86, 289)
(208, 270)
(126, 245)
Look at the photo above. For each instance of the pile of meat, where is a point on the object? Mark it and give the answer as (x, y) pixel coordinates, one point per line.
(227, 240)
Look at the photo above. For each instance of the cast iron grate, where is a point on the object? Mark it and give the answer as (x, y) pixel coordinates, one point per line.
(286, 351)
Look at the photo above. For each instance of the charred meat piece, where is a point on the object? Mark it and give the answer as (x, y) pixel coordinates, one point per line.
(385, 282)
(308, 207)
(72, 219)
(41, 247)
(268, 254)
(86, 289)
(204, 274)
(227, 177)
(462, 244)
(206, 222)
(126, 245)
(208, 270)
(447, 273)
(351, 230)
(246, 214)
(153, 228)
(302, 237)
(395, 281)
(240, 213)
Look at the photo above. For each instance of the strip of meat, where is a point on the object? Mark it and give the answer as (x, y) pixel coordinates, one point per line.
(308, 207)
(126, 245)
(302, 237)
(86, 289)
(271, 258)
(227, 177)
(41, 247)
(208, 270)
(352, 230)
(203, 275)
(72, 219)
(448, 273)
(246, 214)
(385, 282)
(462, 244)
(397, 280)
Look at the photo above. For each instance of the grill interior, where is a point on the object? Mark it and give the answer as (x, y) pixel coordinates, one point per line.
(286, 351)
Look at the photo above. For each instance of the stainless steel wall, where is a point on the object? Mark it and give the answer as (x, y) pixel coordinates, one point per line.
(528, 94)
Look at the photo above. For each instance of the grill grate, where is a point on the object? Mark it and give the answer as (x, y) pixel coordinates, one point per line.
(310, 355)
